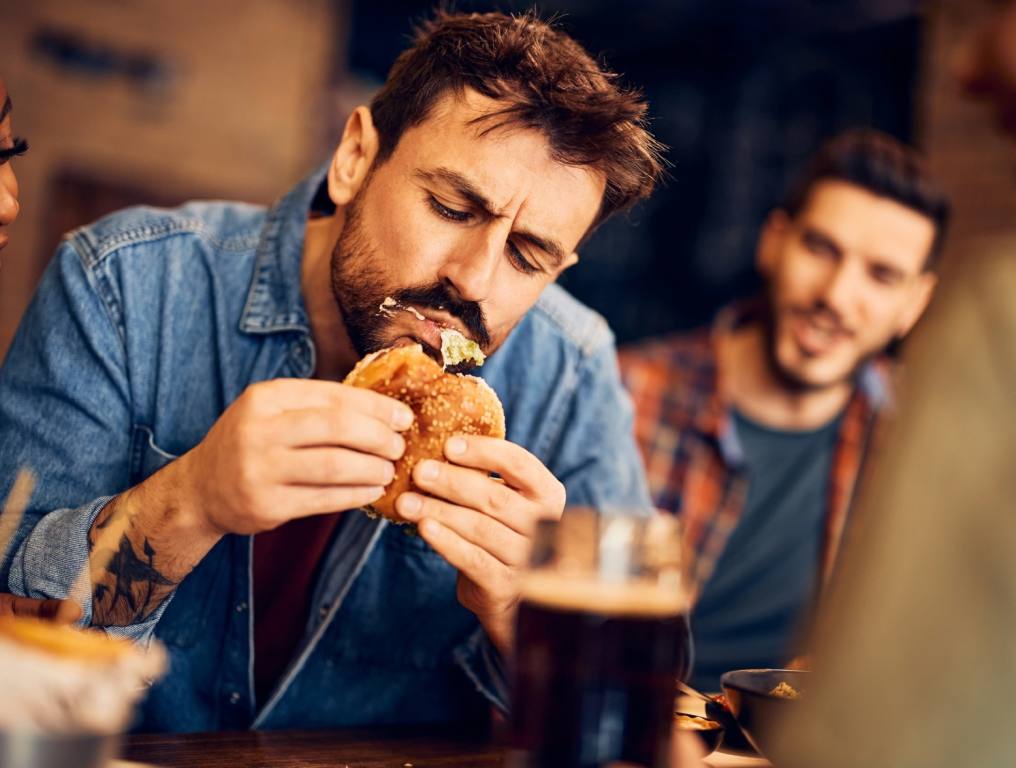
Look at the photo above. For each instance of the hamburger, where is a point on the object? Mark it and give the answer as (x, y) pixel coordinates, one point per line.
(444, 404)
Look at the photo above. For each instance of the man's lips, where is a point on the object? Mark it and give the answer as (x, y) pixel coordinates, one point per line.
(426, 325)
(815, 337)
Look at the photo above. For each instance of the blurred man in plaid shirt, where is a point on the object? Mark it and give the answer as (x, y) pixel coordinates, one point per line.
(754, 431)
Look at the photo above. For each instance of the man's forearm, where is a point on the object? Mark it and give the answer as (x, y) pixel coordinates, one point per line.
(142, 545)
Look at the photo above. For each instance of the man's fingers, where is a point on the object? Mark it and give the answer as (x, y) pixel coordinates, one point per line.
(296, 394)
(473, 562)
(502, 542)
(332, 427)
(60, 611)
(67, 612)
(304, 502)
(519, 468)
(333, 466)
(7, 604)
(477, 490)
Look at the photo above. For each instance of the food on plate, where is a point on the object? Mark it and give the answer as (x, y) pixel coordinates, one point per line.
(444, 404)
(721, 701)
(785, 691)
(694, 722)
(60, 679)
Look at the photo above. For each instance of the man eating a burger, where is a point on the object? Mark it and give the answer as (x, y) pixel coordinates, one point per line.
(176, 386)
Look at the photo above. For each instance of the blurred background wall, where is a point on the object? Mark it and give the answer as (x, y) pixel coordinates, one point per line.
(140, 101)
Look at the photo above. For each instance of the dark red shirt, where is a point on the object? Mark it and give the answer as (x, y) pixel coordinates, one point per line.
(286, 564)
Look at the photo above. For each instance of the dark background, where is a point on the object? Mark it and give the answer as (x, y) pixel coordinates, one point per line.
(742, 92)
(143, 101)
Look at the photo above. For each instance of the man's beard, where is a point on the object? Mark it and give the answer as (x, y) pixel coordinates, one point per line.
(788, 377)
(359, 294)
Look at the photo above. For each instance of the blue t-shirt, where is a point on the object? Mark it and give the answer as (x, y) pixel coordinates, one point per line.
(764, 583)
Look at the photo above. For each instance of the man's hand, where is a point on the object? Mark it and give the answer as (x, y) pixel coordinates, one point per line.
(291, 448)
(284, 449)
(482, 525)
(57, 611)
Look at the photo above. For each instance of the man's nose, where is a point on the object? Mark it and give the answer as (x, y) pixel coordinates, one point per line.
(473, 267)
(842, 288)
(9, 206)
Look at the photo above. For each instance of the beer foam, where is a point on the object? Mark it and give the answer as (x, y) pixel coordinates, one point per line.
(584, 592)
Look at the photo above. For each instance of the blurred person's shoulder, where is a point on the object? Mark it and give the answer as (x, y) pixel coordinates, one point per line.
(974, 314)
(225, 230)
(676, 363)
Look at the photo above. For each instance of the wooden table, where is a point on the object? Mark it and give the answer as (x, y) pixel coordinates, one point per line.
(374, 748)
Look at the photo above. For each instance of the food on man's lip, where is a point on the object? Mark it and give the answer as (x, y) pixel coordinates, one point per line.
(444, 404)
(785, 691)
(59, 679)
(457, 349)
(390, 306)
(694, 722)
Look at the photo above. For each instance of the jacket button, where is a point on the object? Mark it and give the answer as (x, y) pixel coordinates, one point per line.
(234, 697)
(241, 607)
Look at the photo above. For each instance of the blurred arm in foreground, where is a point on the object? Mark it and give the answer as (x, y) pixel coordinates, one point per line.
(60, 611)
(916, 652)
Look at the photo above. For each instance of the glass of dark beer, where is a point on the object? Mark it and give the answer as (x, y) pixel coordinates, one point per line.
(602, 636)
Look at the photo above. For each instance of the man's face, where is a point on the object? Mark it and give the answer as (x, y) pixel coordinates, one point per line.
(465, 229)
(8, 182)
(845, 278)
(985, 62)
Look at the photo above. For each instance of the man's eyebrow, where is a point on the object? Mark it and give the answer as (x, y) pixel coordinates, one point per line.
(550, 247)
(468, 190)
(826, 239)
(5, 109)
(463, 186)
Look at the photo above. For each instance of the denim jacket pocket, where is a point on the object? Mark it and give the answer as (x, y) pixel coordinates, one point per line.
(199, 606)
(147, 458)
(407, 539)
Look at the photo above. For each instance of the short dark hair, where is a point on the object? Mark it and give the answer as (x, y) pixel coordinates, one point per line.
(547, 81)
(883, 166)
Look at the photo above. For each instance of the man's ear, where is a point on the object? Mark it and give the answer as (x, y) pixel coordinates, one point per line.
(353, 158)
(919, 300)
(770, 241)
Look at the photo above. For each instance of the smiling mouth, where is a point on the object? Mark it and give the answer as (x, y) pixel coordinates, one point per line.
(816, 337)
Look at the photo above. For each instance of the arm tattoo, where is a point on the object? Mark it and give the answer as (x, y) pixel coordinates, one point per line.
(130, 587)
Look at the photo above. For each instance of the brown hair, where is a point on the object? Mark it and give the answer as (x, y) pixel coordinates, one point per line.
(547, 81)
(883, 166)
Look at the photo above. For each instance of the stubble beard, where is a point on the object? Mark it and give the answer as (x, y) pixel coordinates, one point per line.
(357, 297)
(359, 292)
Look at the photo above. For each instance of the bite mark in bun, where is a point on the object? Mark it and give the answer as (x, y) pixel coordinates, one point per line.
(444, 404)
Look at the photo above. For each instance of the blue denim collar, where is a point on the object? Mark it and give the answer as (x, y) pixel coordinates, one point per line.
(275, 298)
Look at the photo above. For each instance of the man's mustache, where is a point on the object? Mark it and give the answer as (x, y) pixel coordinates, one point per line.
(826, 317)
(440, 297)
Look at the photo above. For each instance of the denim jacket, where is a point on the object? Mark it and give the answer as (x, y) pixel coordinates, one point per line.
(146, 325)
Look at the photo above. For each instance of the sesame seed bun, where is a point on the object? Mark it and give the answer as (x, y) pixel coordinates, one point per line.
(444, 404)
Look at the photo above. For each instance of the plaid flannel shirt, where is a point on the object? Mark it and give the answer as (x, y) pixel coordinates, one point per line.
(693, 457)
